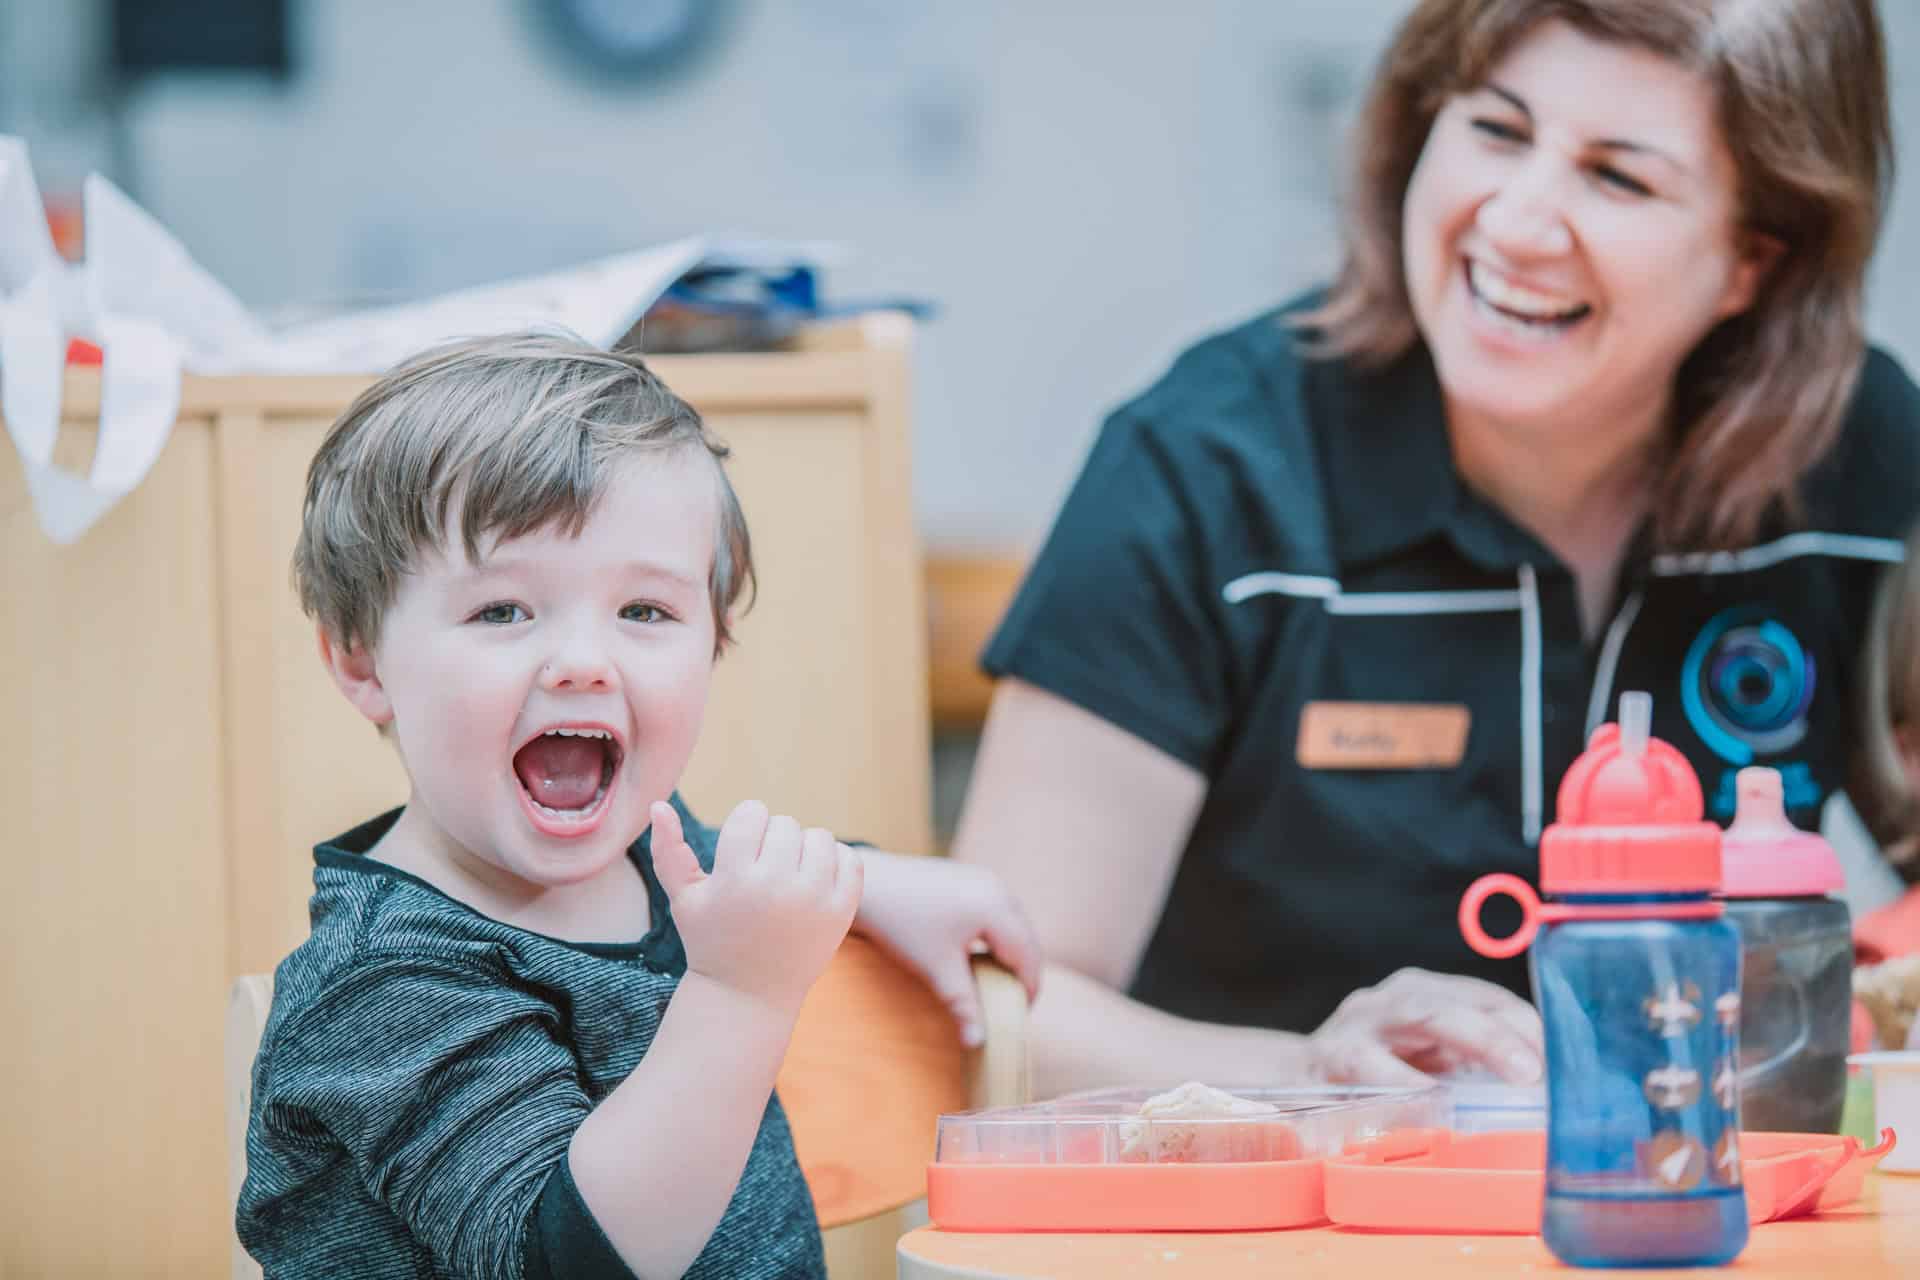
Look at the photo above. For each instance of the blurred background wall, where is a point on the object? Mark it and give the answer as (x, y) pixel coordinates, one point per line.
(1082, 187)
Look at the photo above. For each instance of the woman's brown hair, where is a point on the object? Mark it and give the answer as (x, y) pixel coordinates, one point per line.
(1801, 87)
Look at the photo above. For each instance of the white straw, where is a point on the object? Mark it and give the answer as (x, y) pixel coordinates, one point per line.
(1636, 721)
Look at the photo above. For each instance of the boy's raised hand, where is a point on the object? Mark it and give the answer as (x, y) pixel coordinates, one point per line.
(769, 916)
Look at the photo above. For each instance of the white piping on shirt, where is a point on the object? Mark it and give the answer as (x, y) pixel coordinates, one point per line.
(1366, 602)
(1846, 546)
(1414, 602)
(1531, 805)
(1609, 663)
(1248, 585)
(1527, 601)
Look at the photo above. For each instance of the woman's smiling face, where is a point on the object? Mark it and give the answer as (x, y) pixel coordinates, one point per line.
(1572, 231)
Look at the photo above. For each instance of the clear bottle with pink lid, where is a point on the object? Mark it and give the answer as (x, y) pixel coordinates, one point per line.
(1796, 944)
(1637, 975)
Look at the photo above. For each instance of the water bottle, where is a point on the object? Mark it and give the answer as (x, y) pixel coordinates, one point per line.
(1637, 975)
(1796, 964)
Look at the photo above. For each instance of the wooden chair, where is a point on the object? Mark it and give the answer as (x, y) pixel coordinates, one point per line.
(874, 1060)
(967, 595)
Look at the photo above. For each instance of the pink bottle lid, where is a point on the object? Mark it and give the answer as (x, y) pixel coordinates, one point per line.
(1631, 823)
(1631, 817)
(1764, 854)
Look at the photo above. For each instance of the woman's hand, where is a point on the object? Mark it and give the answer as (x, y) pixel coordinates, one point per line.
(772, 912)
(1418, 1024)
(934, 916)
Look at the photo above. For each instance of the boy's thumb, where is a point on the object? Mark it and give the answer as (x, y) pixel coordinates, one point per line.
(674, 863)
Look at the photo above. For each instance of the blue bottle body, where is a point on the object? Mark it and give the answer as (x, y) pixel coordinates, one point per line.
(1642, 1020)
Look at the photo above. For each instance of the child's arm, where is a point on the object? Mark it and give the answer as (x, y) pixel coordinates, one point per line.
(658, 1161)
(435, 1074)
(935, 915)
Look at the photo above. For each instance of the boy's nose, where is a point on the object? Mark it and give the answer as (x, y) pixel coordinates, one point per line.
(579, 668)
(575, 677)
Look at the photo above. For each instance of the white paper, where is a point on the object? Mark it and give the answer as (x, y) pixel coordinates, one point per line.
(156, 313)
(599, 301)
(139, 297)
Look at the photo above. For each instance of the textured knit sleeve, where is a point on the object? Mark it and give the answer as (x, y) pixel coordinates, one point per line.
(454, 1097)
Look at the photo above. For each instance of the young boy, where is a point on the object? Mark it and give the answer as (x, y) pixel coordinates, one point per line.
(535, 1029)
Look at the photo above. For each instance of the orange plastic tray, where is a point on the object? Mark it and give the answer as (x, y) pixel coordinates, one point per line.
(1263, 1196)
(1435, 1181)
(1071, 1164)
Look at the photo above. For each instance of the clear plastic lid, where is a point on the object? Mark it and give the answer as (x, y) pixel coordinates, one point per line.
(1190, 1125)
(1485, 1106)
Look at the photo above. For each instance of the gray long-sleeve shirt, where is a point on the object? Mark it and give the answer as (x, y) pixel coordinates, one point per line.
(424, 1068)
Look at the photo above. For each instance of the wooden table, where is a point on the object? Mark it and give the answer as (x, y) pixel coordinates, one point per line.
(1879, 1237)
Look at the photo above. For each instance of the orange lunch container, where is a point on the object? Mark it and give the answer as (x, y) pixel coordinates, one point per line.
(1442, 1182)
(1094, 1162)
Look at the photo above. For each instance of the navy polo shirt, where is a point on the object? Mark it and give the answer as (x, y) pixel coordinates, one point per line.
(1262, 533)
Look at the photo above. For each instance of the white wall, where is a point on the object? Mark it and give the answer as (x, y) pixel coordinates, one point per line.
(1893, 312)
(1083, 186)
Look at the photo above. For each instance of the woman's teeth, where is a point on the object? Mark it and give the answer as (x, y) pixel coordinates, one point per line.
(1520, 305)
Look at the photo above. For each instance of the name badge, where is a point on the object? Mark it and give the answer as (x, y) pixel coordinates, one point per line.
(1382, 735)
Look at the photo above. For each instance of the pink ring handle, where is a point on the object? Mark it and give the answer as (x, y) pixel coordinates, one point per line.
(1476, 899)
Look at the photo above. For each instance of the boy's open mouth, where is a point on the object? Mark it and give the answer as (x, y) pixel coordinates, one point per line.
(566, 774)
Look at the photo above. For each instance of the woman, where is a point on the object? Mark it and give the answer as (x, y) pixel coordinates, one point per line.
(1334, 605)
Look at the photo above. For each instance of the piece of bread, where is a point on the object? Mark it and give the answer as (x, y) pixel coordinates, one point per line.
(1196, 1123)
(1890, 993)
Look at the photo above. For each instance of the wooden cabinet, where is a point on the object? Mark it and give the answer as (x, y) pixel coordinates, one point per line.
(174, 750)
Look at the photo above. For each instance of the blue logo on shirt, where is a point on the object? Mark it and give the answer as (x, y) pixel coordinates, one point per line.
(1746, 685)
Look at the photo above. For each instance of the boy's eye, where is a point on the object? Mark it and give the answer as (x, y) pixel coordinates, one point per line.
(499, 615)
(645, 613)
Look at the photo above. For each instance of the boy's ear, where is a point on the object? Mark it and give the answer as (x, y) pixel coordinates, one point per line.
(351, 666)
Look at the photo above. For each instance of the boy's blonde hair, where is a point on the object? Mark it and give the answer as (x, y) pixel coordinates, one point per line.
(514, 434)
(1883, 790)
